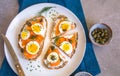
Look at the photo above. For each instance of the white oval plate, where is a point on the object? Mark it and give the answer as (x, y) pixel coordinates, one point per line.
(14, 30)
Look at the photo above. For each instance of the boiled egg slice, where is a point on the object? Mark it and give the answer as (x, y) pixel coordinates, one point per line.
(65, 26)
(32, 47)
(25, 34)
(20, 43)
(66, 47)
(69, 36)
(37, 28)
(52, 57)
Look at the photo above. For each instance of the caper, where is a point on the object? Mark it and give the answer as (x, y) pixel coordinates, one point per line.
(100, 38)
(98, 29)
(106, 37)
(106, 34)
(106, 30)
(28, 23)
(100, 35)
(95, 36)
(93, 32)
(52, 47)
(102, 42)
(53, 57)
(97, 40)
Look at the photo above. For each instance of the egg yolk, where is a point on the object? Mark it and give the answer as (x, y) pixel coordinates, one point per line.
(53, 57)
(65, 26)
(66, 47)
(36, 28)
(32, 48)
(24, 34)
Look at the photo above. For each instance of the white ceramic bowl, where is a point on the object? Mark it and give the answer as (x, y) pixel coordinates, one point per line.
(102, 26)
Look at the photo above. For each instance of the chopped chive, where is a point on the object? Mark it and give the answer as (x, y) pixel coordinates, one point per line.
(52, 47)
(30, 61)
(31, 70)
(38, 65)
(56, 39)
(31, 66)
(70, 41)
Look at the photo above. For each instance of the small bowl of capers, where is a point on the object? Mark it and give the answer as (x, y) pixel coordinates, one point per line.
(100, 34)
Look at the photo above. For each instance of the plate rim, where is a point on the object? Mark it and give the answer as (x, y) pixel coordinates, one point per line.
(5, 47)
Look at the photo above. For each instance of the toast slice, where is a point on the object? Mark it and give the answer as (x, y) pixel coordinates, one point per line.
(61, 25)
(54, 59)
(31, 37)
(67, 43)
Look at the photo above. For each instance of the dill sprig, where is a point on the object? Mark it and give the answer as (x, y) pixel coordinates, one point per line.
(44, 10)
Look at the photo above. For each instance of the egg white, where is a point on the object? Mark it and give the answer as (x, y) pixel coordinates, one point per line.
(70, 45)
(20, 43)
(64, 22)
(27, 34)
(63, 60)
(32, 42)
(42, 28)
(49, 57)
(68, 36)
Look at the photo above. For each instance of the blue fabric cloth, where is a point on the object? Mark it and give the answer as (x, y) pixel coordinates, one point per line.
(89, 62)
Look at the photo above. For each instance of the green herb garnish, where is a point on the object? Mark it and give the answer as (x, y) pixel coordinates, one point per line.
(22, 50)
(28, 23)
(38, 65)
(33, 37)
(30, 61)
(52, 47)
(56, 39)
(31, 70)
(64, 30)
(44, 10)
(70, 41)
(31, 66)
(53, 57)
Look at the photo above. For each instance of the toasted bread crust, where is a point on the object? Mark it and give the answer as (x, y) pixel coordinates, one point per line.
(62, 61)
(58, 66)
(36, 19)
(38, 54)
(57, 22)
(74, 48)
(76, 38)
(55, 67)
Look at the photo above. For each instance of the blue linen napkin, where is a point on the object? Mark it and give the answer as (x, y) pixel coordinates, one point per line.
(89, 63)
